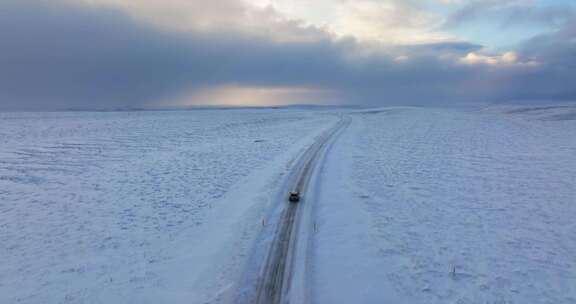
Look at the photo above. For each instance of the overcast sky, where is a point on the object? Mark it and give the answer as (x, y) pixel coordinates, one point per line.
(96, 54)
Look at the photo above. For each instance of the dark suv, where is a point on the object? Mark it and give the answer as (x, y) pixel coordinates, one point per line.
(294, 196)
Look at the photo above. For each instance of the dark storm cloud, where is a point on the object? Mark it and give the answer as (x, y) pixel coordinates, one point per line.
(55, 55)
(58, 55)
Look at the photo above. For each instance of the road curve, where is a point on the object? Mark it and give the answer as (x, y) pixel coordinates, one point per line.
(276, 277)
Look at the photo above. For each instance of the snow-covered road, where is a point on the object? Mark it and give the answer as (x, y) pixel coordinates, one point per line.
(277, 282)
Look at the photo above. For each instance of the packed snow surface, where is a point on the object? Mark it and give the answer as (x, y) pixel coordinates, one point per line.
(410, 205)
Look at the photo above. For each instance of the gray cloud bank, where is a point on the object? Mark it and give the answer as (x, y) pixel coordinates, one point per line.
(510, 13)
(56, 55)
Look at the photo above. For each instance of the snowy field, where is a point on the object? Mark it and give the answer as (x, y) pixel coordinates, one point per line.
(413, 205)
(137, 207)
(447, 206)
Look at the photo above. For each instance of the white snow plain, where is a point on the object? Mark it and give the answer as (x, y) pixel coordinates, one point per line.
(412, 205)
(138, 207)
(449, 206)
